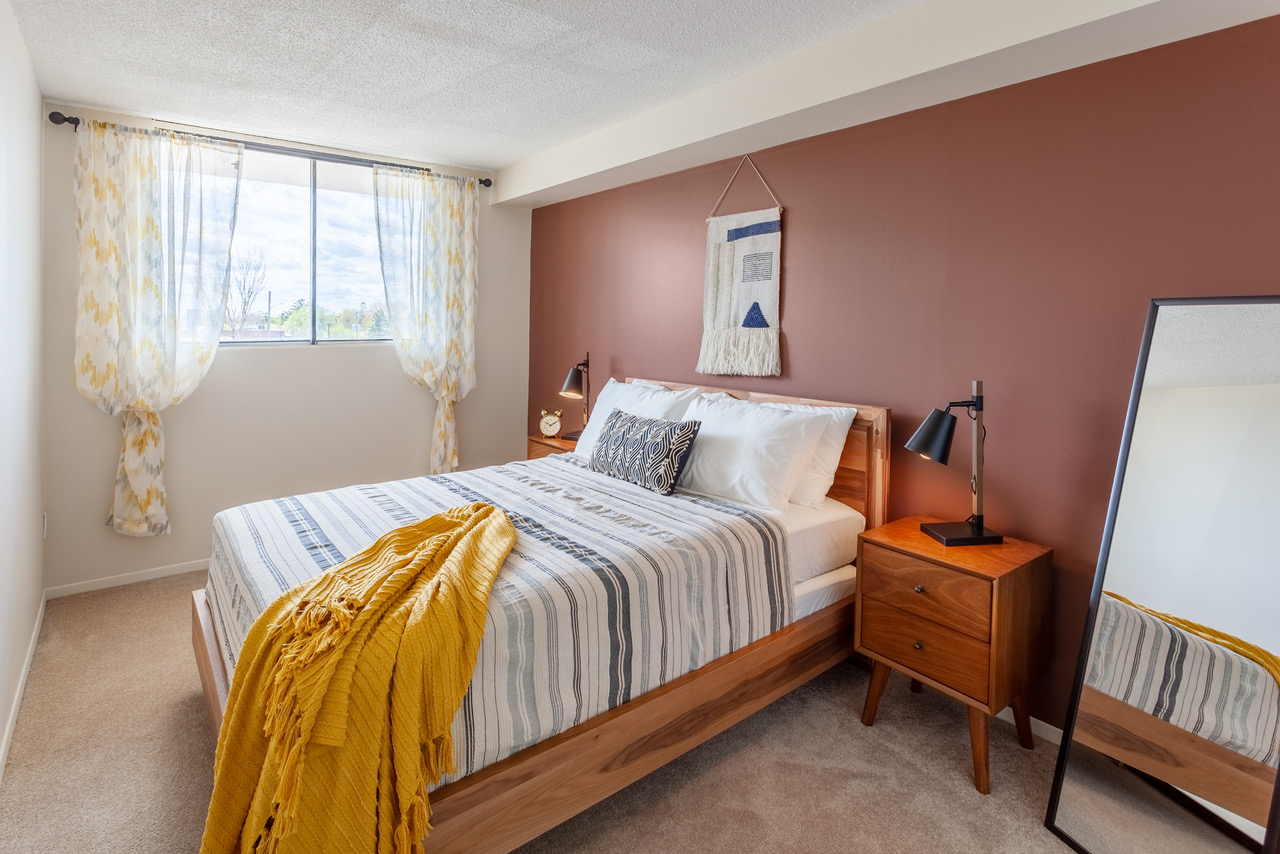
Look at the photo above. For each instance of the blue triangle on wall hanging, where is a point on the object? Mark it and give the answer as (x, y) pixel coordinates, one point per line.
(755, 318)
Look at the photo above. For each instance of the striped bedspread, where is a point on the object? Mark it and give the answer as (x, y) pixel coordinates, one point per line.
(1185, 680)
(609, 592)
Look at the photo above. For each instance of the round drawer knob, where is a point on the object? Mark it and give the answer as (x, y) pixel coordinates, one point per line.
(918, 644)
(919, 588)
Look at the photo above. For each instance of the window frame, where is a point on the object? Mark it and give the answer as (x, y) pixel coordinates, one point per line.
(313, 157)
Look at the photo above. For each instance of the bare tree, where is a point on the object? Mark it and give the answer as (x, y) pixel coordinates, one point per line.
(248, 278)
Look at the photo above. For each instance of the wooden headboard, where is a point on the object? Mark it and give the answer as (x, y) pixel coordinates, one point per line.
(862, 480)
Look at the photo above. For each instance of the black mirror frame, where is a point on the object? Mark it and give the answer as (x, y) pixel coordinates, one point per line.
(1271, 842)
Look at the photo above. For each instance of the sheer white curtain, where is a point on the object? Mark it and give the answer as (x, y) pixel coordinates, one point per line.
(155, 213)
(427, 240)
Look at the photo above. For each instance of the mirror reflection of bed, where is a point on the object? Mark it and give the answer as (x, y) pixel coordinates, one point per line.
(1175, 739)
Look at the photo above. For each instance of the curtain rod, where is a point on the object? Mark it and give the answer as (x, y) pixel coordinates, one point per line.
(60, 119)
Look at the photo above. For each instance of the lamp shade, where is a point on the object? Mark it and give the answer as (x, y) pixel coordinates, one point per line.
(573, 383)
(933, 438)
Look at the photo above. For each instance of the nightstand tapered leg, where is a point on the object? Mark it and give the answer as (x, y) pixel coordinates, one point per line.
(879, 676)
(978, 732)
(1023, 719)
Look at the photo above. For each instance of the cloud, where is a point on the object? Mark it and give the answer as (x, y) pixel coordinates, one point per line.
(348, 268)
(274, 220)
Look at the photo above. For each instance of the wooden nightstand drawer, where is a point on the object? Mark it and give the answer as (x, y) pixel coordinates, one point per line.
(969, 620)
(544, 446)
(938, 593)
(949, 657)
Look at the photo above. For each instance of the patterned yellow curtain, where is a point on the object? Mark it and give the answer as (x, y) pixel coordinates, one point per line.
(155, 212)
(427, 240)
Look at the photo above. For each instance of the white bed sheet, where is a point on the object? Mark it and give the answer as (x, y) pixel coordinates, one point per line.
(814, 594)
(821, 540)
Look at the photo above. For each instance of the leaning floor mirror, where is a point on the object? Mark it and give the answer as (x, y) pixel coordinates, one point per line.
(1171, 739)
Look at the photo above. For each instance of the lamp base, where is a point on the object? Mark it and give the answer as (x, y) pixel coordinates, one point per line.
(961, 534)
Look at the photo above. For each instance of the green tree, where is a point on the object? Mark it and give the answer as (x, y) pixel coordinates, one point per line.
(329, 324)
(295, 321)
(381, 327)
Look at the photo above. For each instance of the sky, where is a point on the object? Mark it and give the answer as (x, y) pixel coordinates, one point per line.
(274, 219)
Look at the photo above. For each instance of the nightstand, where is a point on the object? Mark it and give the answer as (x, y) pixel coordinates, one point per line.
(545, 446)
(970, 621)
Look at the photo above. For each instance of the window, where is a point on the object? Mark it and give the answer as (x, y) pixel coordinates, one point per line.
(304, 261)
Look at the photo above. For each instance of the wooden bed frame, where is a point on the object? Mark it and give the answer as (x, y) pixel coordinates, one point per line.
(504, 805)
(1172, 754)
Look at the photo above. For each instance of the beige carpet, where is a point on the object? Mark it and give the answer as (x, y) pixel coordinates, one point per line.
(112, 752)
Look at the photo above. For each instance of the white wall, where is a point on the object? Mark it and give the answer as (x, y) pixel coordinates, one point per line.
(1195, 532)
(268, 420)
(20, 581)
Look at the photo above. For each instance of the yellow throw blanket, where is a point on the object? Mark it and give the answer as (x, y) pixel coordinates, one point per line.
(1263, 658)
(340, 710)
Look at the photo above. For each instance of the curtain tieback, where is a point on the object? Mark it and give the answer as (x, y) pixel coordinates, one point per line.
(139, 507)
(443, 457)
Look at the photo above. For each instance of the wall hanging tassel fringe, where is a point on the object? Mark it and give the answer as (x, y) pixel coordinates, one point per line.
(741, 290)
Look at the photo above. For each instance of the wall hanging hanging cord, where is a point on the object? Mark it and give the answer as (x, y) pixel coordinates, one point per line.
(746, 158)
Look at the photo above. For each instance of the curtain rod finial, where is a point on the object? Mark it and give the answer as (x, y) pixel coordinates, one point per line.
(58, 119)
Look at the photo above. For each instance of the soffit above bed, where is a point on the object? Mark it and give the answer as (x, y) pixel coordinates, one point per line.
(563, 98)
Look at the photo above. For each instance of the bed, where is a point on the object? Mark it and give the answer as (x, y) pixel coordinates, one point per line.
(509, 800)
(1180, 708)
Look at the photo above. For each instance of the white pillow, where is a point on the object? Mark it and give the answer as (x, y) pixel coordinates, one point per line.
(712, 395)
(646, 400)
(821, 473)
(747, 453)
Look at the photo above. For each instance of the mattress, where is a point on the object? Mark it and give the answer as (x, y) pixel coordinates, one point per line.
(811, 596)
(818, 541)
(814, 594)
(610, 590)
(823, 539)
(1185, 680)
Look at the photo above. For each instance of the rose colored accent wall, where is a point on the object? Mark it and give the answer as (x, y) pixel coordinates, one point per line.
(1015, 237)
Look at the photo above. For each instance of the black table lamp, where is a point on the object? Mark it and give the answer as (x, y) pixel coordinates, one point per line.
(577, 386)
(933, 442)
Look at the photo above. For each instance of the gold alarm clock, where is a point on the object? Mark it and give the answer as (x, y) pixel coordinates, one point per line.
(550, 423)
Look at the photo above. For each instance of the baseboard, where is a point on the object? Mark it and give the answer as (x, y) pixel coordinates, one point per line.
(67, 590)
(12, 720)
(1048, 732)
(127, 578)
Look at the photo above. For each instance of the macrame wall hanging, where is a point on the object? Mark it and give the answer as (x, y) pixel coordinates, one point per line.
(740, 296)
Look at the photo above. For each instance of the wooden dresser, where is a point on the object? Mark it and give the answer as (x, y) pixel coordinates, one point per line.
(970, 621)
(543, 446)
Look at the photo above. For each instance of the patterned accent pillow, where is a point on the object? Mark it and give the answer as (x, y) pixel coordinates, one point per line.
(648, 452)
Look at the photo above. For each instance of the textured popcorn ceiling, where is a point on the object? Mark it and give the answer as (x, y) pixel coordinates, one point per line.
(478, 84)
(1200, 346)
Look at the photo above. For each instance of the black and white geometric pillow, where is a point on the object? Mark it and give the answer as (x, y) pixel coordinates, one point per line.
(648, 452)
